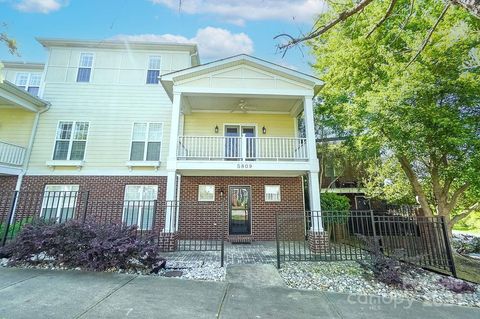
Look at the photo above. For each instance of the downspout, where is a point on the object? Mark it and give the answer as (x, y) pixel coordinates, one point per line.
(30, 146)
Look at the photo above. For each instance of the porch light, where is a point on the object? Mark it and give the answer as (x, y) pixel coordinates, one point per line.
(264, 130)
(216, 128)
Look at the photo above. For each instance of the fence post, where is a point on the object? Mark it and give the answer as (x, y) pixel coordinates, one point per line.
(222, 252)
(8, 220)
(373, 225)
(84, 218)
(278, 241)
(375, 240)
(448, 247)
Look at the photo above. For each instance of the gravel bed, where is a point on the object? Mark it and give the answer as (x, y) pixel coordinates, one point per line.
(199, 270)
(350, 277)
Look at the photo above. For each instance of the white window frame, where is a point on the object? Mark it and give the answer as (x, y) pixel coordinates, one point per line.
(70, 141)
(140, 209)
(279, 199)
(85, 67)
(209, 199)
(62, 200)
(145, 148)
(150, 57)
(28, 84)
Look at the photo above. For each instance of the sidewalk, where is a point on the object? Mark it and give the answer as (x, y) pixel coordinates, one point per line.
(74, 294)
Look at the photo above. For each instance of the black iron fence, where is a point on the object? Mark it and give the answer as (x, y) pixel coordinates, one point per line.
(202, 226)
(198, 226)
(348, 235)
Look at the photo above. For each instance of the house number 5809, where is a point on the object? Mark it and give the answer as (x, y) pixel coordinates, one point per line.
(244, 166)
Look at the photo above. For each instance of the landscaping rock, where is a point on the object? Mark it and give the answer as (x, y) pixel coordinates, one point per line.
(173, 273)
(350, 277)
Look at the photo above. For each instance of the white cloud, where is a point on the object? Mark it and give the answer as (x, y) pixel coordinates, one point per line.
(213, 43)
(237, 12)
(39, 6)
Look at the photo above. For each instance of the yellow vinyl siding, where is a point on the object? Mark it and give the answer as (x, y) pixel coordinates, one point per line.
(16, 126)
(111, 111)
(203, 124)
(116, 97)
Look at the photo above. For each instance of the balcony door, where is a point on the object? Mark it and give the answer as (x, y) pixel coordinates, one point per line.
(233, 145)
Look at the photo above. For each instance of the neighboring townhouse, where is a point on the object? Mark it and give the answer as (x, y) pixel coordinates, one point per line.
(20, 109)
(146, 121)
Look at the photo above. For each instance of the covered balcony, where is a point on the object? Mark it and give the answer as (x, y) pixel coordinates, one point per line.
(11, 154)
(19, 112)
(244, 148)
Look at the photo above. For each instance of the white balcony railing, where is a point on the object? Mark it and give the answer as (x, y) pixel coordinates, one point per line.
(242, 148)
(11, 154)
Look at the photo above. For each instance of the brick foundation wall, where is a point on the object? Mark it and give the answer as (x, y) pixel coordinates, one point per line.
(105, 198)
(7, 183)
(262, 213)
(7, 186)
(111, 188)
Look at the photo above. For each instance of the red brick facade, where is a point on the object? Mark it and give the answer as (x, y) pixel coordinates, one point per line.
(262, 213)
(197, 220)
(101, 188)
(7, 183)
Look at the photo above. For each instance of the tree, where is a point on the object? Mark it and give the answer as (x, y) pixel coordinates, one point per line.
(10, 43)
(348, 8)
(423, 118)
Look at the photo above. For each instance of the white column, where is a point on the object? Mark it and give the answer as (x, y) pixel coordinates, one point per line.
(170, 208)
(313, 183)
(171, 193)
(174, 128)
(314, 194)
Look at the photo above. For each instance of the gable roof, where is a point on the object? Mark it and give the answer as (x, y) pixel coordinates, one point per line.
(168, 79)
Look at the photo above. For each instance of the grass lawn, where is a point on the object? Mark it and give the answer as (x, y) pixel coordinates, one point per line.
(475, 232)
(467, 268)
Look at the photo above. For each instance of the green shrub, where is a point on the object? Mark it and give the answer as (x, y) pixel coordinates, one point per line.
(335, 208)
(334, 202)
(16, 227)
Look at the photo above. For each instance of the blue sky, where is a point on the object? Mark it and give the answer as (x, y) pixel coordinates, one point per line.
(220, 27)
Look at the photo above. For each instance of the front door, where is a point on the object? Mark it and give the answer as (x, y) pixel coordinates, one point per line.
(240, 204)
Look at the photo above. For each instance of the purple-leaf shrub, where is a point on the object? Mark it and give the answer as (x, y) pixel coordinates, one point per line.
(386, 269)
(89, 246)
(456, 285)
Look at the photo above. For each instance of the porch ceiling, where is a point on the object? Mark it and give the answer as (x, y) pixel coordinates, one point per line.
(241, 104)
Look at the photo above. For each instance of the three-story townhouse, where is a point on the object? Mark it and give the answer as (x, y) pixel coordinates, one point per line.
(131, 121)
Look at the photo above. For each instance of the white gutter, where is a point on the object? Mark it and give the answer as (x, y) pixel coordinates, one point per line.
(30, 146)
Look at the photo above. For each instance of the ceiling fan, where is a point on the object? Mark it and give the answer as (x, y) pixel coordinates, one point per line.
(242, 106)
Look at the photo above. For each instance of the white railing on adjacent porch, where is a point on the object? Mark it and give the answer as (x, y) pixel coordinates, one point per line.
(242, 148)
(11, 154)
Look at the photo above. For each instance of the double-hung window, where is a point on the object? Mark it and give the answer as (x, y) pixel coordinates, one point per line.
(139, 206)
(153, 72)
(59, 202)
(70, 141)
(146, 142)
(85, 67)
(272, 193)
(30, 82)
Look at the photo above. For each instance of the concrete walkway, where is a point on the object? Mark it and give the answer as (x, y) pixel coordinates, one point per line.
(72, 294)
